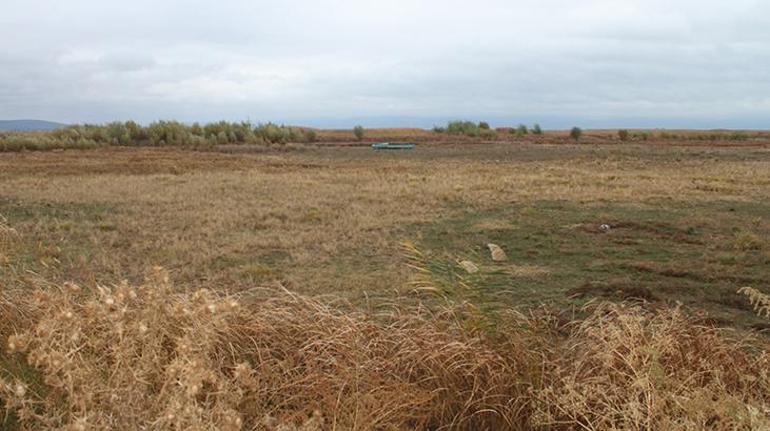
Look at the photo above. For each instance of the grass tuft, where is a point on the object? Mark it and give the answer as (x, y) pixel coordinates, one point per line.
(759, 300)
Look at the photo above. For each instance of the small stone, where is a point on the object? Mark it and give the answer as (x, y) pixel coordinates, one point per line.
(498, 255)
(469, 266)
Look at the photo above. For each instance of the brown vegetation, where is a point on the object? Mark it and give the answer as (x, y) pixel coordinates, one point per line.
(148, 357)
(338, 337)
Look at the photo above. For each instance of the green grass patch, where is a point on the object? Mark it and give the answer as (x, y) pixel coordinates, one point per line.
(565, 254)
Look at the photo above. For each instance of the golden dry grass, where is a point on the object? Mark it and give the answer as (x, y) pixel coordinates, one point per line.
(213, 216)
(211, 351)
(628, 369)
(138, 357)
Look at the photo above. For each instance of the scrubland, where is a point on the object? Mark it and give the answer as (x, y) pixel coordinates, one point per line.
(320, 288)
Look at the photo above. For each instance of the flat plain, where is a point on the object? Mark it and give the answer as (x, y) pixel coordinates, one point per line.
(683, 224)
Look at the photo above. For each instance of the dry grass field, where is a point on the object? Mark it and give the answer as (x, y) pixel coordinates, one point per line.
(670, 232)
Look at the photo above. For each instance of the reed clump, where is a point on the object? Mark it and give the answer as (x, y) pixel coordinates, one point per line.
(626, 368)
(130, 357)
(151, 356)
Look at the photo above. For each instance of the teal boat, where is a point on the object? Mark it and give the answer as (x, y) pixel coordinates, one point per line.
(391, 146)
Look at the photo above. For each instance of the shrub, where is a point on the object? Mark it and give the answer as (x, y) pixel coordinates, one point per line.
(163, 133)
(272, 133)
(241, 133)
(160, 133)
(466, 128)
(138, 133)
(310, 135)
(738, 136)
(575, 133)
(118, 133)
(536, 129)
(487, 133)
(623, 134)
(747, 241)
(521, 130)
(358, 131)
(483, 125)
(40, 142)
(67, 133)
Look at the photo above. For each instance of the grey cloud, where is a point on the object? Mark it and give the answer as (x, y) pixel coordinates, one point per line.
(593, 62)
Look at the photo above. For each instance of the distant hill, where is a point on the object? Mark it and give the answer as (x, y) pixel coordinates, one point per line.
(29, 125)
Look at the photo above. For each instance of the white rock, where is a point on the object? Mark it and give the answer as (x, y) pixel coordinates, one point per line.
(498, 255)
(469, 266)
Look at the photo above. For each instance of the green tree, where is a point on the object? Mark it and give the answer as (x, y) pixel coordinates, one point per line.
(359, 132)
(466, 128)
(575, 133)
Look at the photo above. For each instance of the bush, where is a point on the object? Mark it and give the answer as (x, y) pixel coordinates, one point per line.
(159, 133)
(536, 129)
(118, 134)
(466, 128)
(483, 125)
(623, 134)
(358, 131)
(162, 133)
(738, 136)
(41, 142)
(488, 134)
(748, 241)
(138, 133)
(272, 133)
(310, 135)
(575, 133)
(521, 130)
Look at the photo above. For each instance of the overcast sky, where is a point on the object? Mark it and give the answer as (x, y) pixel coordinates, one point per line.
(594, 63)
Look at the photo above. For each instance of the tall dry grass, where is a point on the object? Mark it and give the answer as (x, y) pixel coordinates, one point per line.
(148, 357)
(13, 305)
(626, 368)
(155, 357)
(759, 300)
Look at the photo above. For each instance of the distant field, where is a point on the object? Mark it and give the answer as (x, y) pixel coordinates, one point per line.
(688, 224)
